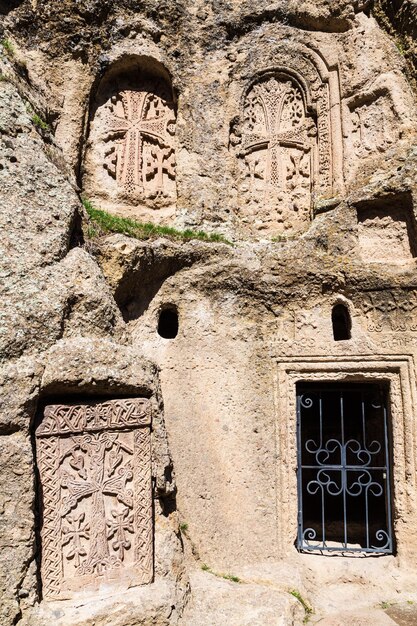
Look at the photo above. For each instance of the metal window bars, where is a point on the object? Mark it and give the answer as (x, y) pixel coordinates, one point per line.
(343, 469)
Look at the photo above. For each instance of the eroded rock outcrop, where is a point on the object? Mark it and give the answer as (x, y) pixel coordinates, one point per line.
(63, 337)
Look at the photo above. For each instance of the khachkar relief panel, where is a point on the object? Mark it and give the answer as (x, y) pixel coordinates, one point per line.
(391, 317)
(131, 155)
(277, 151)
(372, 127)
(94, 463)
(287, 140)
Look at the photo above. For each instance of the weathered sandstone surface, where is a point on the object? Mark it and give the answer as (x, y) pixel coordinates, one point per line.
(152, 111)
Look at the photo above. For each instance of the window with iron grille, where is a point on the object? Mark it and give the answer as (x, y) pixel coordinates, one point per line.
(344, 486)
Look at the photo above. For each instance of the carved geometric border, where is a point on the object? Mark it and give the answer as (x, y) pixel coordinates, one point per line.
(399, 372)
(51, 566)
(143, 509)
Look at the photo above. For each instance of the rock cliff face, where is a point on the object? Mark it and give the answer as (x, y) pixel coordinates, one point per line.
(289, 128)
(399, 19)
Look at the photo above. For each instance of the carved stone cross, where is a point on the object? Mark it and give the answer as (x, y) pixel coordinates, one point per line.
(101, 482)
(274, 117)
(136, 116)
(94, 464)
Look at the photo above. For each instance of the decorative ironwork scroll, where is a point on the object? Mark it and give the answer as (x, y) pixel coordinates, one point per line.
(94, 462)
(343, 468)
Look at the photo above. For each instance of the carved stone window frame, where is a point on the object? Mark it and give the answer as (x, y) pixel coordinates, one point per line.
(396, 370)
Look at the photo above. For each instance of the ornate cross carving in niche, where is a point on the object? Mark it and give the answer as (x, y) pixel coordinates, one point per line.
(276, 146)
(95, 473)
(140, 126)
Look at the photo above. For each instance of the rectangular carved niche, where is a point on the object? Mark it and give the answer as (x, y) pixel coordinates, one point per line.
(386, 231)
(372, 123)
(373, 126)
(94, 462)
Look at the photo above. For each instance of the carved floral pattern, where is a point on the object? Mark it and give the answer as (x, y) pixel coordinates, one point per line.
(95, 472)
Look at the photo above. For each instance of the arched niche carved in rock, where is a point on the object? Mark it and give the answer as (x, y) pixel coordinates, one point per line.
(130, 155)
(288, 143)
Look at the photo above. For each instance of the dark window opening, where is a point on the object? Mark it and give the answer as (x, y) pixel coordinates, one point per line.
(344, 489)
(341, 322)
(168, 323)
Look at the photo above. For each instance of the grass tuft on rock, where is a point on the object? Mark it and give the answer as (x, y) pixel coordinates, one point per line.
(308, 611)
(40, 123)
(103, 222)
(8, 47)
(231, 577)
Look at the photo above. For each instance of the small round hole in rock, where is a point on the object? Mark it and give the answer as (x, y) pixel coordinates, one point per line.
(168, 323)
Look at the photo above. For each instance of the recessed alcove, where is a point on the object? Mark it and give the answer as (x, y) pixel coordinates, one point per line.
(386, 230)
(129, 161)
(341, 323)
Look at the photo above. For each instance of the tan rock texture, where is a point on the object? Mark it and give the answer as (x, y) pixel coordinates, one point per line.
(290, 128)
